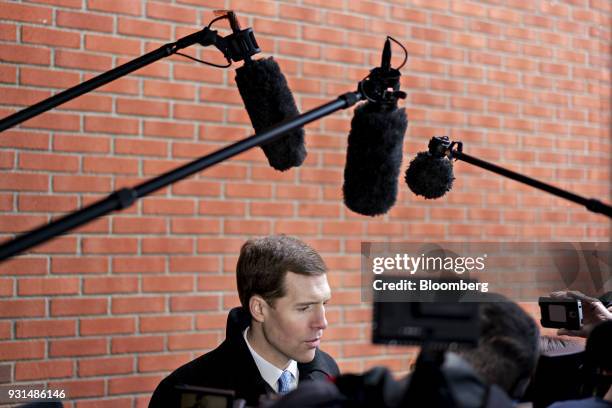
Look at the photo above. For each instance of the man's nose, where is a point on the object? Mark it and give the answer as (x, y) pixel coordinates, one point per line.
(320, 321)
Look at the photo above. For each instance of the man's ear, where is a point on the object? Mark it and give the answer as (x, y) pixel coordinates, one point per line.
(257, 306)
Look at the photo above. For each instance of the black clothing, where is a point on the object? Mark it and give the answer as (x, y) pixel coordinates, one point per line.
(231, 366)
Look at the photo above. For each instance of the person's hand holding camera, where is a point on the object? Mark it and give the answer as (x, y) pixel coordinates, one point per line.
(593, 310)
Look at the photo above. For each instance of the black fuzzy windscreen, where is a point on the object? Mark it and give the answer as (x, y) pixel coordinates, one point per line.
(373, 159)
(429, 177)
(268, 101)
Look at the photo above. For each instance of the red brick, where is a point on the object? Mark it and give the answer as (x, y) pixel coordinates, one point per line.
(51, 162)
(194, 264)
(137, 344)
(134, 384)
(113, 45)
(8, 75)
(277, 28)
(80, 144)
(249, 227)
(217, 283)
(169, 129)
(271, 209)
(81, 184)
(122, 126)
(195, 226)
(79, 265)
(144, 28)
(167, 284)
(24, 54)
(77, 347)
(8, 32)
(16, 96)
(54, 37)
(139, 225)
(26, 13)
(139, 264)
(22, 308)
(109, 245)
(6, 202)
(115, 6)
(227, 171)
(110, 285)
(194, 303)
(165, 323)
(292, 12)
(168, 206)
(197, 341)
(79, 388)
(141, 304)
(141, 147)
(199, 73)
(167, 12)
(296, 227)
(37, 203)
(142, 107)
(166, 362)
(22, 350)
(47, 286)
(169, 90)
(105, 366)
(211, 321)
(110, 165)
(111, 325)
(78, 306)
(6, 290)
(43, 370)
(84, 21)
(250, 190)
(324, 35)
(45, 328)
(190, 187)
(170, 245)
(82, 60)
(21, 223)
(229, 207)
(267, 8)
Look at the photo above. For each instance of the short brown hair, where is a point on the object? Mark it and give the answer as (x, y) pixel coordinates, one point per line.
(264, 262)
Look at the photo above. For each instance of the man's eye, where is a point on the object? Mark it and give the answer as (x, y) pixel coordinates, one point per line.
(303, 308)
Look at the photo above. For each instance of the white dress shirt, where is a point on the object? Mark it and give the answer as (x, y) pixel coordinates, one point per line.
(269, 372)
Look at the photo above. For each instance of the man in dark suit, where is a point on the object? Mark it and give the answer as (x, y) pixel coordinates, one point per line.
(272, 341)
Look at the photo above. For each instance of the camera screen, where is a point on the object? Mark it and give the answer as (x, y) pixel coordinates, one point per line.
(556, 313)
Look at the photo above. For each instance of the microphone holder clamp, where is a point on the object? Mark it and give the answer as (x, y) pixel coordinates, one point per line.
(382, 86)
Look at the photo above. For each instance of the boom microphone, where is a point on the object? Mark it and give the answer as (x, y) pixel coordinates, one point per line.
(374, 153)
(268, 101)
(430, 174)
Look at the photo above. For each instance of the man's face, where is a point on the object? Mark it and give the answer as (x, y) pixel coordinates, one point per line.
(294, 326)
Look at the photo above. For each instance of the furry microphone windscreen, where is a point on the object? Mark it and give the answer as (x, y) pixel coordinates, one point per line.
(373, 159)
(428, 176)
(268, 101)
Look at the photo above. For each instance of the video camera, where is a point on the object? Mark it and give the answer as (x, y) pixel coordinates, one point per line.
(561, 313)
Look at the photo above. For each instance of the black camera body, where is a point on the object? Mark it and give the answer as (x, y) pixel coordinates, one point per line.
(560, 313)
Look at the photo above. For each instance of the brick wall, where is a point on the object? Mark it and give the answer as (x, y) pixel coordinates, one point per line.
(106, 311)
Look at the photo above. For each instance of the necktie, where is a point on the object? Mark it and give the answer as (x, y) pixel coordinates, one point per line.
(284, 382)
